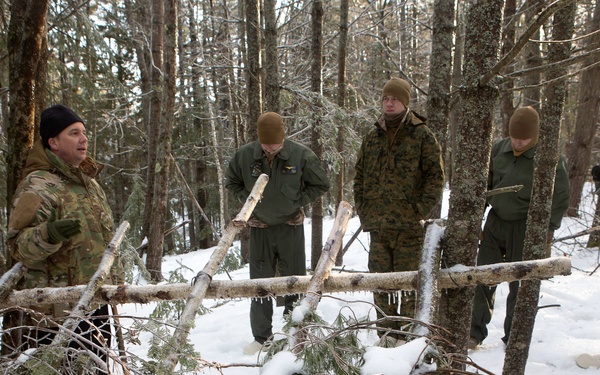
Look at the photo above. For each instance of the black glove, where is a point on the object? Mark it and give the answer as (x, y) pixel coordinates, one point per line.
(62, 230)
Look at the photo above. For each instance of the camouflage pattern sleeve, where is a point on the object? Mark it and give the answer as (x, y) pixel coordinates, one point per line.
(27, 235)
(433, 173)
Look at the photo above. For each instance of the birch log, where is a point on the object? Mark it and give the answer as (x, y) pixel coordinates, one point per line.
(87, 296)
(204, 277)
(456, 277)
(427, 283)
(323, 269)
(11, 278)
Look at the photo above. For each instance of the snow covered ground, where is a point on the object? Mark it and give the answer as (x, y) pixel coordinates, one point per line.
(569, 326)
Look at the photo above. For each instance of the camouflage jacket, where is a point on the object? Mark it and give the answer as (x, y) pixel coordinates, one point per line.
(53, 190)
(398, 183)
(296, 179)
(506, 169)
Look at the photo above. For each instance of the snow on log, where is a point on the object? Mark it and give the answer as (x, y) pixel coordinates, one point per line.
(427, 283)
(321, 274)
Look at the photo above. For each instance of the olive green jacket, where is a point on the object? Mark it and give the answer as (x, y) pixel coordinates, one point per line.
(506, 169)
(295, 180)
(399, 183)
(53, 190)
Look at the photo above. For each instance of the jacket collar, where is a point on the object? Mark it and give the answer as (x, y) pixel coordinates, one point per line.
(284, 154)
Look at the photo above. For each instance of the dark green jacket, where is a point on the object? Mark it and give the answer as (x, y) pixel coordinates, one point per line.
(398, 184)
(295, 180)
(506, 169)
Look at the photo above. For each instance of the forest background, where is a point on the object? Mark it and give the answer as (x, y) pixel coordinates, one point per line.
(170, 89)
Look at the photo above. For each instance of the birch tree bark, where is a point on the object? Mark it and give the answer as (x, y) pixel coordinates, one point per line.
(538, 217)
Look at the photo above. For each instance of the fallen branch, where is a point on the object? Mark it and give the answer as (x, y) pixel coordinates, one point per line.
(456, 277)
(204, 277)
(322, 271)
(592, 230)
(11, 278)
(86, 299)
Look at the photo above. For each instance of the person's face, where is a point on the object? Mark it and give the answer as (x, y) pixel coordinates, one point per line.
(519, 144)
(70, 144)
(269, 148)
(392, 106)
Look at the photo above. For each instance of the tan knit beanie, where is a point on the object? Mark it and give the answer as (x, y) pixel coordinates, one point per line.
(270, 129)
(524, 123)
(399, 88)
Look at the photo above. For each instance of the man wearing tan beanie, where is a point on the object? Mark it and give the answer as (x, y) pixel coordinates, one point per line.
(399, 179)
(503, 236)
(296, 178)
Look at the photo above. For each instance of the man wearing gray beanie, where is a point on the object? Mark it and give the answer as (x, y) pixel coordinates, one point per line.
(399, 179)
(59, 227)
(503, 236)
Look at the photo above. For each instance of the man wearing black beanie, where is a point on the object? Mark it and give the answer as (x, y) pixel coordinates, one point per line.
(59, 227)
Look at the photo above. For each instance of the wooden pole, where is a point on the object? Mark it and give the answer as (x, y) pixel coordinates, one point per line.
(323, 269)
(280, 286)
(204, 277)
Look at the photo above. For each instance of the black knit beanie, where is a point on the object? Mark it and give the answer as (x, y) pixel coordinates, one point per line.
(54, 120)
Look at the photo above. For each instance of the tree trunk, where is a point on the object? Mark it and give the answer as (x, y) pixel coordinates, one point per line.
(317, 147)
(508, 42)
(533, 58)
(440, 76)
(580, 149)
(340, 177)
(271, 58)
(156, 66)
(24, 42)
(469, 179)
(163, 153)
(538, 217)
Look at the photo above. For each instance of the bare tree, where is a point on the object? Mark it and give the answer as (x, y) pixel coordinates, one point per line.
(469, 179)
(440, 75)
(165, 47)
(316, 145)
(538, 217)
(271, 58)
(579, 151)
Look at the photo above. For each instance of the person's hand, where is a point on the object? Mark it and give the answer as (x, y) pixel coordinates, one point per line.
(62, 230)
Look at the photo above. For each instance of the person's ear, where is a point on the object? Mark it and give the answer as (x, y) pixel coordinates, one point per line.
(53, 144)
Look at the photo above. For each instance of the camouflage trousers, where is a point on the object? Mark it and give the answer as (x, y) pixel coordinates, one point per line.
(395, 251)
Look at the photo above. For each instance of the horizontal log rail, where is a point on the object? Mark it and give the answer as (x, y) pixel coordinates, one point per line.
(455, 277)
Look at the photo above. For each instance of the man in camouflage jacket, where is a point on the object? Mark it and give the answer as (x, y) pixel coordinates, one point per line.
(60, 223)
(296, 178)
(399, 179)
